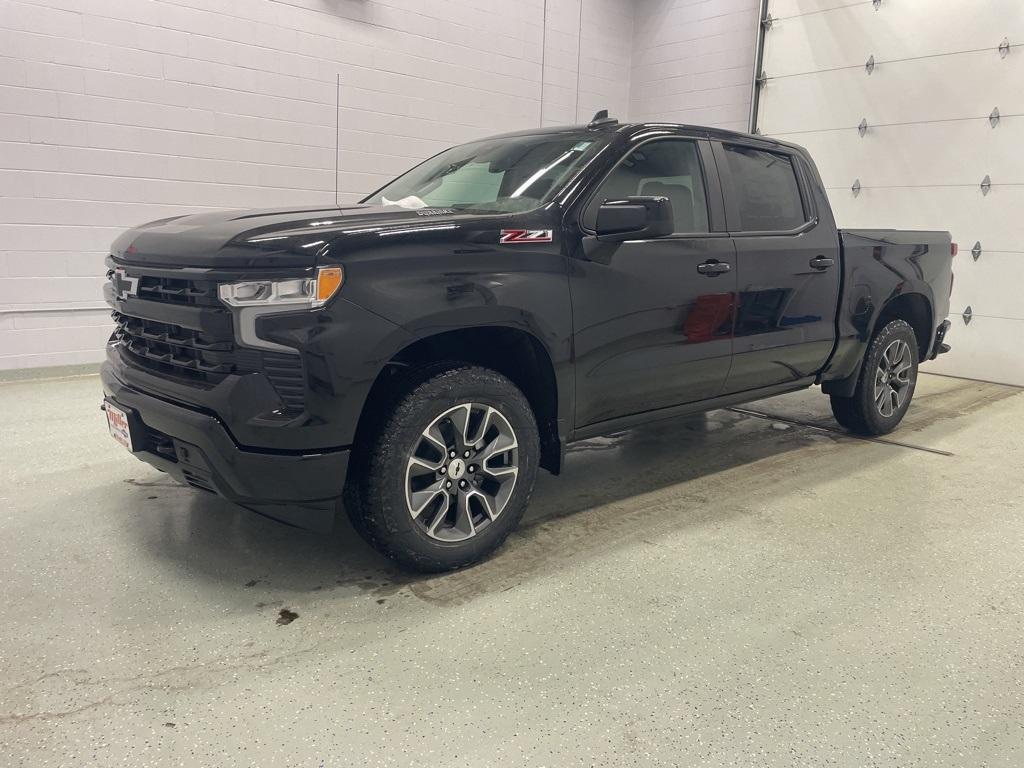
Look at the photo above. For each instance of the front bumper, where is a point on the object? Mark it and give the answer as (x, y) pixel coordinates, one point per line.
(300, 489)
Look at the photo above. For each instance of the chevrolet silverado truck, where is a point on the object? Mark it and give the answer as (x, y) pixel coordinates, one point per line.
(415, 358)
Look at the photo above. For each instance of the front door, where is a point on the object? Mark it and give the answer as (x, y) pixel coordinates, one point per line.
(653, 318)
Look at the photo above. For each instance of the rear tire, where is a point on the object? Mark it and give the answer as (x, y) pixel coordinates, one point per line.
(432, 511)
(886, 383)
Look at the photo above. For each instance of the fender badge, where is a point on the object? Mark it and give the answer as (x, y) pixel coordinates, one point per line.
(525, 236)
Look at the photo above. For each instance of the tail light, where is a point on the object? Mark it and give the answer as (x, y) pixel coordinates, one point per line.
(953, 250)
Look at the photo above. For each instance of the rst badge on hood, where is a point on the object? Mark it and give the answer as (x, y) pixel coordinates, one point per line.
(525, 236)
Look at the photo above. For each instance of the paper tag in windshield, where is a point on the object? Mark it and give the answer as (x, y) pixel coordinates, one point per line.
(411, 202)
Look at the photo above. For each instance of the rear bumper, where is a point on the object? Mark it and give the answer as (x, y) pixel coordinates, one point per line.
(192, 446)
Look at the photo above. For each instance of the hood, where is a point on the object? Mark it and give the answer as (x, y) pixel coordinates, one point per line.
(281, 237)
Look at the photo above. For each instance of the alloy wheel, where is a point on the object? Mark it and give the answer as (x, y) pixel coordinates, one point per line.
(893, 378)
(461, 472)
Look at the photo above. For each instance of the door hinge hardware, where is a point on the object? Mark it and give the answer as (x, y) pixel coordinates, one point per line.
(869, 66)
(862, 128)
(762, 78)
(856, 187)
(986, 185)
(976, 250)
(767, 22)
(1004, 48)
(877, 4)
(993, 119)
(967, 315)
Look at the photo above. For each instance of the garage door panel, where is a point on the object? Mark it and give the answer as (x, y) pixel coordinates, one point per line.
(944, 88)
(965, 212)
(919, 154)
(980, 351)
(786, 8)
(847, 35)
(975, 280)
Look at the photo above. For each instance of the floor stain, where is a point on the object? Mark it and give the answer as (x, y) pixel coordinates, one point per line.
(286, 616)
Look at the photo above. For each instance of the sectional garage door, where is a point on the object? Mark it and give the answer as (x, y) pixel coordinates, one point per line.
(914, 112)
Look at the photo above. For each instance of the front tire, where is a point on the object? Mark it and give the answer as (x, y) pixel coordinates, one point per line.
(450, 470)
(886, 384)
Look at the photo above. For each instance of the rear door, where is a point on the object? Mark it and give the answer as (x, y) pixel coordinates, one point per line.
(787, 265)
(653, 317)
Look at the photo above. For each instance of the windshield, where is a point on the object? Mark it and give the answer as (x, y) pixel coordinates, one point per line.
(503, 175)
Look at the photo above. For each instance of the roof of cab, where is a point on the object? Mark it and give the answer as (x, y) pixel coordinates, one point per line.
(630, 129)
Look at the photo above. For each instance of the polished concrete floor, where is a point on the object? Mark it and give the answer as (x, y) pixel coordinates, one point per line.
(725, 590)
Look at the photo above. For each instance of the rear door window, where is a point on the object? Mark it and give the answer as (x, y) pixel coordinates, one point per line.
(766, 188)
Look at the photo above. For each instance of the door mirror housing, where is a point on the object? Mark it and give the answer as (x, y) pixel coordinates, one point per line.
(634, 218)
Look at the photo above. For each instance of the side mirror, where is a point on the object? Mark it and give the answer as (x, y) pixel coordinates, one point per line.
(634, 218)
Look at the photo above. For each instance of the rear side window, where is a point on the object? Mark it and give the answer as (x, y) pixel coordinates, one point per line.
(768, 195)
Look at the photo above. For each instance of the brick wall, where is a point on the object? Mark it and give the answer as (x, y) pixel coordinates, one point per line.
(116, 112)
(693, 61)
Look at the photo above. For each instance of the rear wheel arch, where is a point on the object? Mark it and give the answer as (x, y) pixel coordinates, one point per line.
(913, 308)
(916, 310)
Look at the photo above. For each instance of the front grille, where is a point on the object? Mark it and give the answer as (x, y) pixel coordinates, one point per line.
(172, 290)
(201, 358)
(175, 350)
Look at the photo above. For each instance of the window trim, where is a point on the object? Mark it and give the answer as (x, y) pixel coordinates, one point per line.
(732, 212)
(716, 215)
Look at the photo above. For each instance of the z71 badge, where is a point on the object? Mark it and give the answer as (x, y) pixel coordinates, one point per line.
(525, 236)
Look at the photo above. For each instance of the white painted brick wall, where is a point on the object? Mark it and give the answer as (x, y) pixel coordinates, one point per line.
(116, 112)
(693, 61)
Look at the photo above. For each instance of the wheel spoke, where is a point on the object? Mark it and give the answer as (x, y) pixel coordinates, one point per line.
(880, 393)
(442, 513)
(501, 444)
(460, 418)
(486, 500)
(432, 466)
(419, 500)
(464, 516)
(481, 431)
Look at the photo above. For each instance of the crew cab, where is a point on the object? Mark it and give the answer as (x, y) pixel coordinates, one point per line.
(417, 357)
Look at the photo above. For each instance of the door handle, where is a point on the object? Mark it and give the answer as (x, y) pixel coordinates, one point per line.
(822, 262)
(713, 268)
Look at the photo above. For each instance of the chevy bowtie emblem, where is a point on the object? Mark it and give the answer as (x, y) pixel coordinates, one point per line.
(124, 286)
(525, 236)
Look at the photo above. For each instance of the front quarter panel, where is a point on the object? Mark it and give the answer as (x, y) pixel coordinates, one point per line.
(430, 278)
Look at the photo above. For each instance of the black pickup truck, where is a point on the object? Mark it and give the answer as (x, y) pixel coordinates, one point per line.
(418, 356)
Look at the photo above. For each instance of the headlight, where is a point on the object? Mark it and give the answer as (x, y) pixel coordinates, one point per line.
(311, 292)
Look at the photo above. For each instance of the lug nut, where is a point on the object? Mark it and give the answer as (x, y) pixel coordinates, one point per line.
(442, 470)
(472, 467)
(462, 483)
(451, 454)
(448, 484)
(465, 455)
